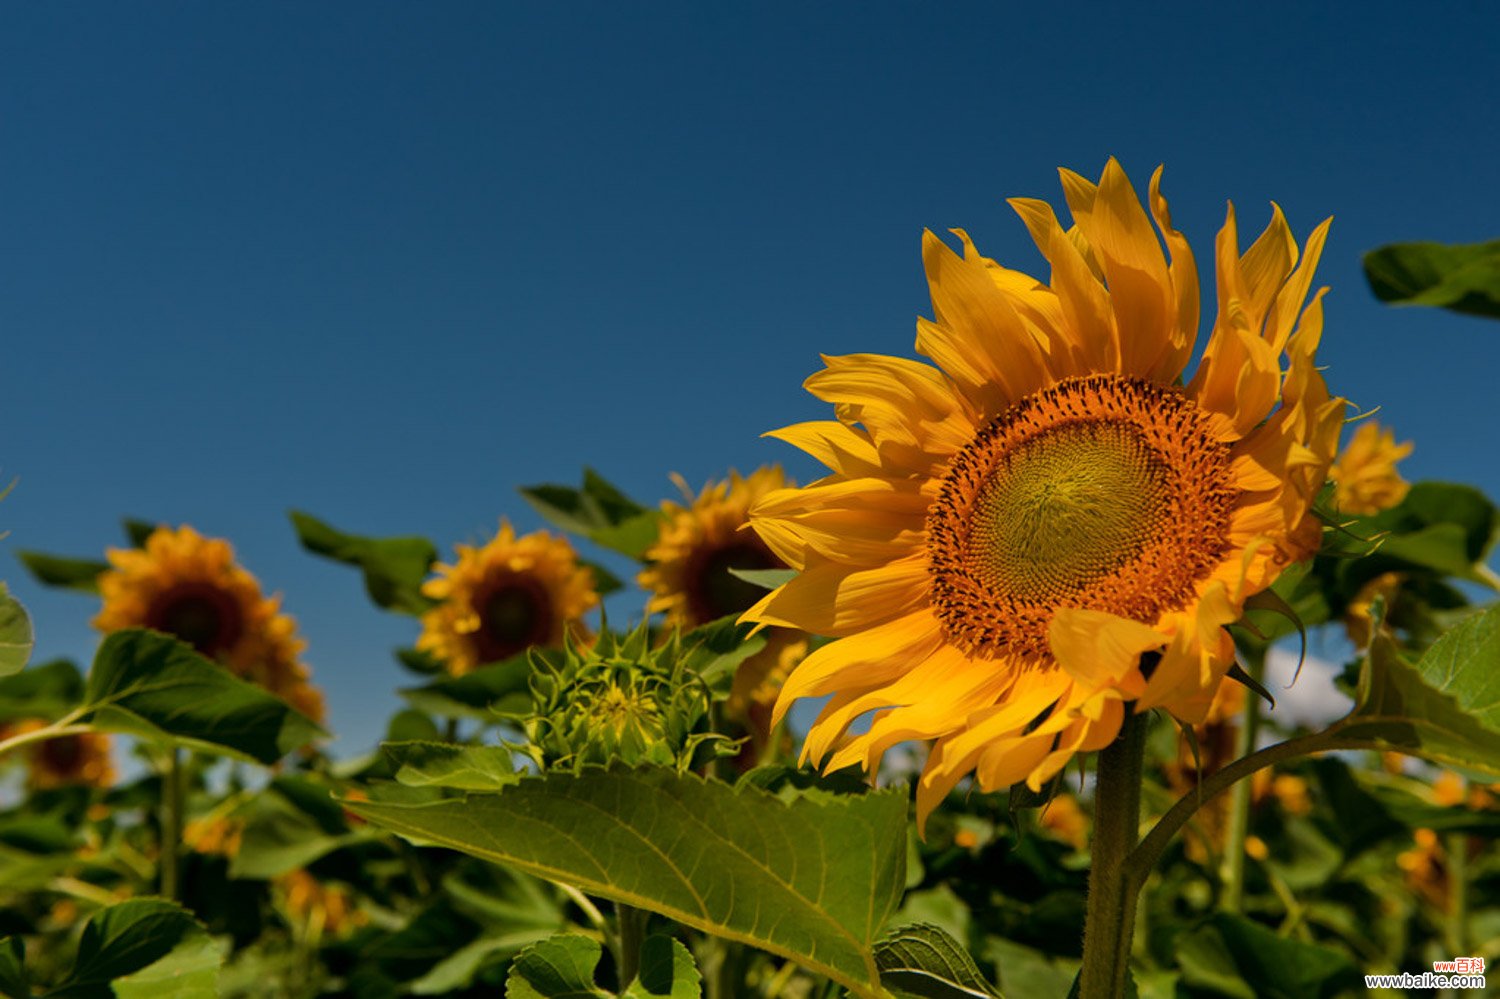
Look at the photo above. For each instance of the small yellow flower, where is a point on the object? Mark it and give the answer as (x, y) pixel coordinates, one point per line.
(1358, 624)
(1291, 793)
(317, 907)
(505, 597)
(1364, 474)
(189, 586)
(1064, 819)
(219, 835)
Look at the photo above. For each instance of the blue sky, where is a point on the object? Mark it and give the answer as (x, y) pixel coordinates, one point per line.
(388, 261)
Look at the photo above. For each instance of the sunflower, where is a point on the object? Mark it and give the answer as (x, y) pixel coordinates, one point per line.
(502, 598)
(189, 586)
(82, 758)
(1049, 528)
(1365, 480)
(690, 583)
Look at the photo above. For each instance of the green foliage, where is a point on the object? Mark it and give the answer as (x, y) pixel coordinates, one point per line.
(444, 764)
(47, 691)
(15, 983)
(565, 967)
(921, 961)
(597, 511)
(715, 650)
(154, 687)
(1235, 958)
(394, 568)
(1445, 708)
(810, 880)
(289, 825)
(15, 634)
(484, 694)
(67, 573)
(143, 947)
(1463, 278)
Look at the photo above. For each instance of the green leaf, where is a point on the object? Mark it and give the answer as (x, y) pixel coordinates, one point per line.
(47, 691)
(503, 688)
(605, 582)
(766, 579)
(1445, 709)
(134, 936)
(15, 634)
(560, 967)
(394, 568)
(138, 530)
(154, 687)
(1027, 972)
(288, 826)
(1233, 957)
(190, 971)
(715, 650)
(666, 971)
(921, 961)
(443, 764)
(811, 880)
(599, 512)
(1463, 277)
(14, 982)
(68, 573)
(420, 662)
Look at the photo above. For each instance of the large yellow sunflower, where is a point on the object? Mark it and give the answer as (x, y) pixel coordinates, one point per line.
(1049, 528)
(186, 585)
(688, 576)
(504, 597)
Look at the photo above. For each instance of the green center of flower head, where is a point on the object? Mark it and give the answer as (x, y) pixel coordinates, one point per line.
(1103, 492)
(1065, 508)
(620, 709)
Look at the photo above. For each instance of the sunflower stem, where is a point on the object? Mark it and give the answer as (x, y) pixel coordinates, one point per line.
(1110, 922)
(1233, 870)
(630, 925)
(171, 826)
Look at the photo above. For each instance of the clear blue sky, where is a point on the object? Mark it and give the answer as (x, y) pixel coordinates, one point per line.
(388, 261)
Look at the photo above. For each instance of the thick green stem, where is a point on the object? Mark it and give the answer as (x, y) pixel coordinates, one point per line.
(1110, 921)
(1458, 893)
(1239, 806)
(58, 729)
(171, 826)
(631, 929)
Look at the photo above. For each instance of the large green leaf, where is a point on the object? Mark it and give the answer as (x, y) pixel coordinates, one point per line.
(564, 966)
(1232, 957)
(810, 880)
(152, 686)
(599, 512)
(68, 573)
(922, 961)
(15, 634)
(45, 691)
(394, 568)
(148, 942)
(1446, 708)
(1462, 277)
(715, 650)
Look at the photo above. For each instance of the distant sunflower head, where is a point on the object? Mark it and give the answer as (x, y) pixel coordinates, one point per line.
(502, 598)
(1365, 480)
(190, 587)
(78, 759)
(688, 567)
(1053, 524)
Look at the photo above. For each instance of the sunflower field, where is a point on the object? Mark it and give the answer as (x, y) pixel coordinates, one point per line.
(983, 711)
